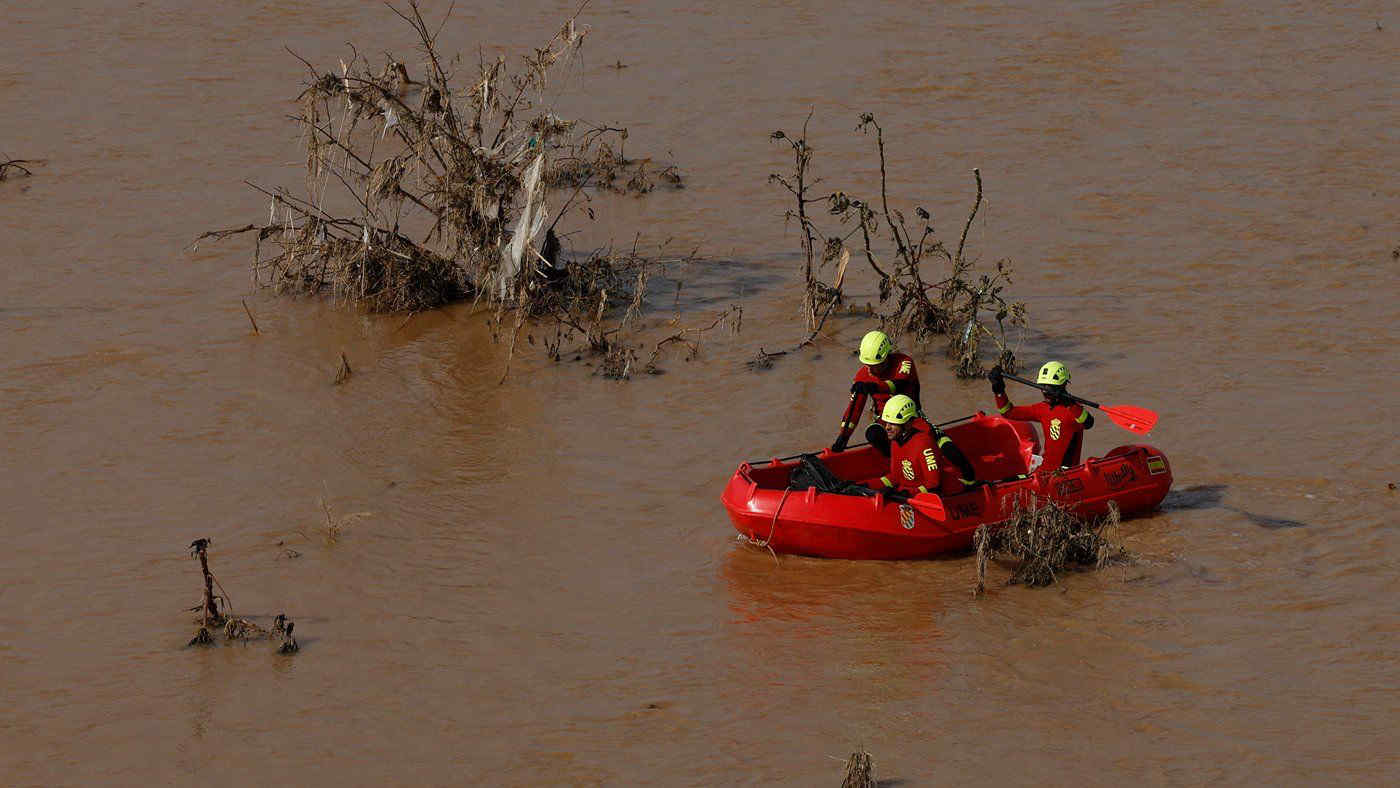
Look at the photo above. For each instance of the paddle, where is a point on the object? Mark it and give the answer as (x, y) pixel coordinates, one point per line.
(929, 505)
(855, 445)
(1129, 417)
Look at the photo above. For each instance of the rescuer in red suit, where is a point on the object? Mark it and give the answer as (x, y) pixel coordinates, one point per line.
(883, 374)
(922, 458)
(1062, 420)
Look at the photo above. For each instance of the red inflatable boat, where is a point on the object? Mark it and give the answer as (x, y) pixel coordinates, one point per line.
(832, 525)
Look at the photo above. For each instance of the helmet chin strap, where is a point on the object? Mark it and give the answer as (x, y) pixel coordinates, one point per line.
(902, 434)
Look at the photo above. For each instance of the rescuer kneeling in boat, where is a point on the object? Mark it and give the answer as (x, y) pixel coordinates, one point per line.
(1062, 420)
(883, 374)
(922, 458)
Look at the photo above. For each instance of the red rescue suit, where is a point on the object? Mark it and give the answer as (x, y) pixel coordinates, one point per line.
(918, 464)
(898, 377)
(1061, 425)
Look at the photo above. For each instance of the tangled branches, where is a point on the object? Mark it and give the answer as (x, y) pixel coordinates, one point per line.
(421, 191)
(1045, 538)
(960, 304)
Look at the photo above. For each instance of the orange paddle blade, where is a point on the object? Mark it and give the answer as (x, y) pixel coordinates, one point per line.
(930, 506)
(1131, 417)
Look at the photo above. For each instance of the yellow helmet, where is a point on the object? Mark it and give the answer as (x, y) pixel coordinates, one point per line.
(875, 347)
(899, 409)
(1053, 373)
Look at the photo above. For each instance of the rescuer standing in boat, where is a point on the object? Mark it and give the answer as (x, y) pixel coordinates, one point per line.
(883, 374)
(922, 458)
(1062, 420)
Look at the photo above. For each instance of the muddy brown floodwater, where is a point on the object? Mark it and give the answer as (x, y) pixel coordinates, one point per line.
(1202, 204)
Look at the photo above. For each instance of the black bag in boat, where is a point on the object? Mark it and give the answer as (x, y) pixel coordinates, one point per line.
(812, 472)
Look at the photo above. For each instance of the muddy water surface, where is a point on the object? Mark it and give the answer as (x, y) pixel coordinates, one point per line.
(1200, 202)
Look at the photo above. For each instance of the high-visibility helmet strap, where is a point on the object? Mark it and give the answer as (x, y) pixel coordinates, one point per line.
(899, 409)
(1053, 373)
(875, 347)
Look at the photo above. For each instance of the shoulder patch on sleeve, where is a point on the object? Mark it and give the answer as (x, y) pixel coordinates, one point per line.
(906, 366)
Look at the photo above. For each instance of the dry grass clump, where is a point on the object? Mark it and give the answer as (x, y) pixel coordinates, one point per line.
(1044, 539)
(860, 771)
(958, 302)
(334, 526)
(609, 170)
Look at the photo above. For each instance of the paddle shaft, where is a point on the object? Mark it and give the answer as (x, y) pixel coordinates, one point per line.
(1129, 417)
(858, 445)
(1066, 395)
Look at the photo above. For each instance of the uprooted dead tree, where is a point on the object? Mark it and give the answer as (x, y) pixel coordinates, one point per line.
(422, 189)
(1043, 539)
(959, 301)
(216, 616)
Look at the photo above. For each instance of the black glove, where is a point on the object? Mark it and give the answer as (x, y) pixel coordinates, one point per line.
(840, 444)
(898, 496)
(863, 387)
(998, 385)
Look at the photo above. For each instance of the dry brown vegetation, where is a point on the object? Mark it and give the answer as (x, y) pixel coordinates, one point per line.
(334, 526)
(437, 181)
(1044, 539)
(956, 301)
(442, 182)
(860, 771)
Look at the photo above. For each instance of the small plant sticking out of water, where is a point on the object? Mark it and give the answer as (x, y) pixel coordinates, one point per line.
(343, 374)
(209, 614)
(334, 526)
(860, 771)
(1045, 539)
(282, 627)
(763, 360)
(956, 301)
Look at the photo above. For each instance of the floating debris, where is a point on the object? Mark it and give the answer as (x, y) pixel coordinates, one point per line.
(860, 771)
(343, 374)
(15, 168)
(213, 619)
(1045, 539)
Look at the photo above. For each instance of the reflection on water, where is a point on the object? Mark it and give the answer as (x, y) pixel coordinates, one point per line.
(1212, 496)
